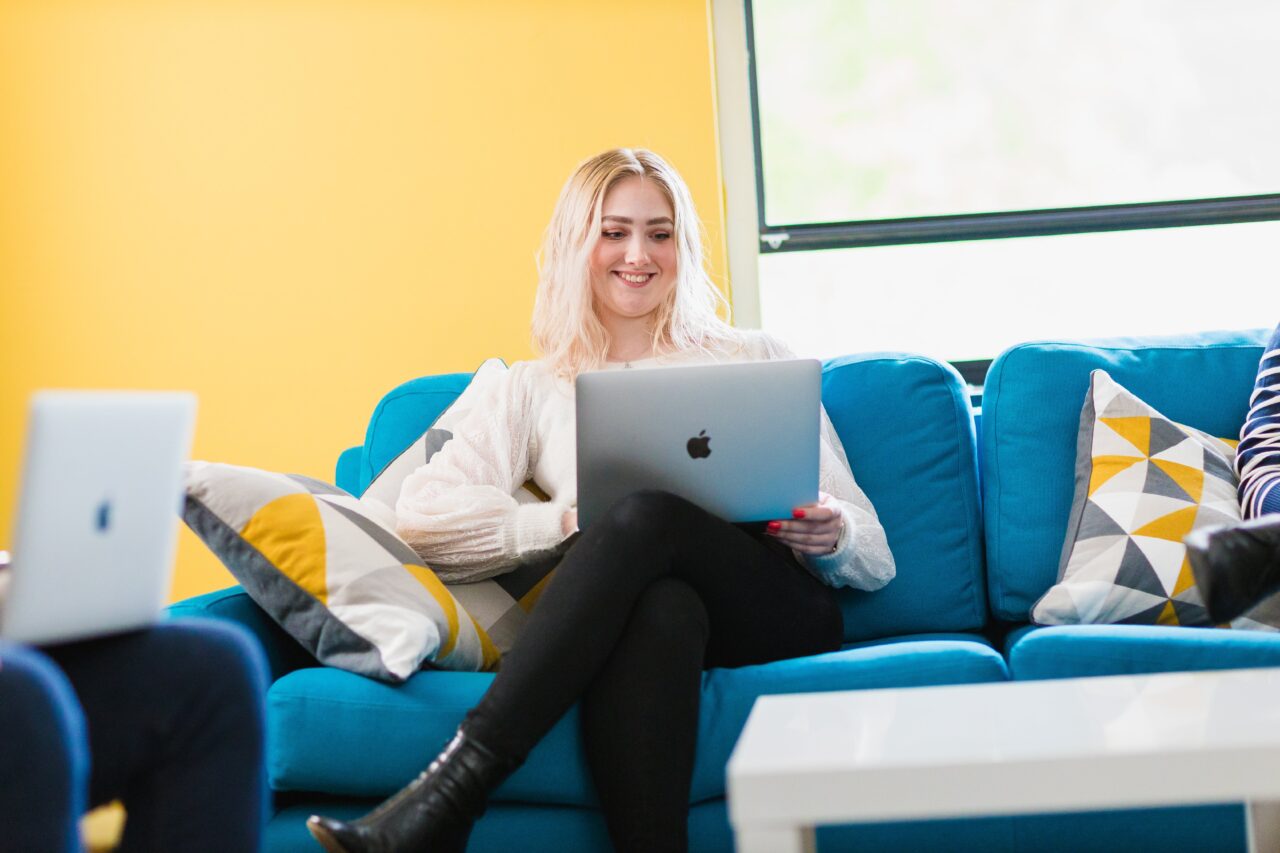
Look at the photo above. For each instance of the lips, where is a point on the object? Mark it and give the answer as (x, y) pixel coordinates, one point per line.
(631, 279)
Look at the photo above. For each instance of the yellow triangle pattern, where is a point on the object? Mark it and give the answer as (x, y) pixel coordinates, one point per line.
(531, 597)
(1172, 527)
(1136, 431)
(288, 531)
(1186, 579)
(1191, 480)
(444, 598)
(490, 652)
(1168, 616)
(1106, 467)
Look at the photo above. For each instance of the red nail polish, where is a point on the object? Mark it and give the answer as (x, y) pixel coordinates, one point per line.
(797, 513)
(773, 526)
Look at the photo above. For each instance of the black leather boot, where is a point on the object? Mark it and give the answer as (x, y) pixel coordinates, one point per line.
(432, 814)
(1236, 567)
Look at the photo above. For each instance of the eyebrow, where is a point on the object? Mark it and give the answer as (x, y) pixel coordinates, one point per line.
(626, 220)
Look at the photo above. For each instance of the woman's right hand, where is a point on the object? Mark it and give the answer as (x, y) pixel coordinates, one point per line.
(569, 523)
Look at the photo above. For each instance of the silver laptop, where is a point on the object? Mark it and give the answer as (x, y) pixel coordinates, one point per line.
(740, 440)
(97, 513)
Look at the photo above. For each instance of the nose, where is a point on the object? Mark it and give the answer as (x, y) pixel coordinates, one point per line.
(637, 254)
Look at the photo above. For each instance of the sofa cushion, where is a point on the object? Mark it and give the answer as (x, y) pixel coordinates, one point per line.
(1142, 483)
(907, 429)
(333, 731)
(1074, 651)
(543, 829)
(1031, 408)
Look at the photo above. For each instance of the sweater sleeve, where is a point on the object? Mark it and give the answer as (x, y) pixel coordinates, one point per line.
(862, 558)
(458, 511)
(1258, 456)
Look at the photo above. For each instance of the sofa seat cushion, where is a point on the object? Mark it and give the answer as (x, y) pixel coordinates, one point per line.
(549, 829)
(337, 732)
(1076, 651)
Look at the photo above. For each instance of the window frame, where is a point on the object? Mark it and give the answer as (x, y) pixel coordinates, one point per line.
(990, 225)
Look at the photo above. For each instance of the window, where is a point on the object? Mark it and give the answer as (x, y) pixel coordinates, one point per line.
(886, 129)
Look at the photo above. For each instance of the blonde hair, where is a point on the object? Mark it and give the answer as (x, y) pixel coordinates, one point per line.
(566, 330)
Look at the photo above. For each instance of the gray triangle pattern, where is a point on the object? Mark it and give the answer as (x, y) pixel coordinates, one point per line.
(1160, 483)
(1164, 435)
(1218, 467)
(1095, 522)
(1147, 617)
(1136, 572)
(1190, 614)
(432, 441)
(1121, 603)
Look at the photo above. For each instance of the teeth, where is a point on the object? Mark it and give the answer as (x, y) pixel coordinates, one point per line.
(635, 279)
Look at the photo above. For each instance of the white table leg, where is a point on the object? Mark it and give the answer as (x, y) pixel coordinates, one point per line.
(1262, 825)
(773, 839)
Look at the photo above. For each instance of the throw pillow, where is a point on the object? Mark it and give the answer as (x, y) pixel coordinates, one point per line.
(499, 604)
(338, 581)
(1143, 482)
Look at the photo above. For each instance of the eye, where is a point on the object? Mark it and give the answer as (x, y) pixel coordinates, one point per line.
(613, 235)
(661, 236)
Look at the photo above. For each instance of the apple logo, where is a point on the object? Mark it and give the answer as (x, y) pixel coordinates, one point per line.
(699, 446)
(103, 516)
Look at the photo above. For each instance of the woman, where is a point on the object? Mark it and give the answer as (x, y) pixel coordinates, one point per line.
(1237, 567)
(656, 591)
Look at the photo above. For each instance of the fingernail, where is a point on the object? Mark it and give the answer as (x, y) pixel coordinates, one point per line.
(797, 513)
(773, 526)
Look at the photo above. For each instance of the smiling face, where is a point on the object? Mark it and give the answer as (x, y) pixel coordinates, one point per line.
(633, 264)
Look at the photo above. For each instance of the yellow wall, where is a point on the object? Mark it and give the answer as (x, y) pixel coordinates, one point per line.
(290, 207)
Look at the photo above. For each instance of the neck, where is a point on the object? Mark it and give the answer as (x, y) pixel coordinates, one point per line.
(630, 342)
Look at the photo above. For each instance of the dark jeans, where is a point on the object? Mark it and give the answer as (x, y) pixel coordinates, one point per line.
(644, 601)
(169, 720)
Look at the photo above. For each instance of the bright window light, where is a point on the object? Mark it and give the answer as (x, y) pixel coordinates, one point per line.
(970, 300)
(875, 109)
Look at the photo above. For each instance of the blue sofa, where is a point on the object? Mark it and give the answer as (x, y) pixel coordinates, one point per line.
(976, 544)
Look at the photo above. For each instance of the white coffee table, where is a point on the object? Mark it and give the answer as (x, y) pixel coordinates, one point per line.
(1069, 745)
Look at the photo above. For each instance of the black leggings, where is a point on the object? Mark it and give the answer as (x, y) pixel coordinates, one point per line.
(651, 595)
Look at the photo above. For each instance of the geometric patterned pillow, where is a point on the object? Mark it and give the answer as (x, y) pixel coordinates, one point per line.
(499, 604)
(1143, 482)
(330, 573)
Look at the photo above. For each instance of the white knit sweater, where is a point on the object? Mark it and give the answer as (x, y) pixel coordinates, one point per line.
(458, 511)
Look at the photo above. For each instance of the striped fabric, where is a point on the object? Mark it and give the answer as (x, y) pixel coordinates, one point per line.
(1258, 457)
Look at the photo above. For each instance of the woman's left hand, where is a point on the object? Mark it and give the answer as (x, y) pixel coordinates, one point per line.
(813, 529)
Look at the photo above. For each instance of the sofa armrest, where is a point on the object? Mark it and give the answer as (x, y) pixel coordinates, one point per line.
(346, 475)
(284, 654)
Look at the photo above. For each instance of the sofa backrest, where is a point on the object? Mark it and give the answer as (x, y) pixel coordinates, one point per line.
(1030, 420)
(401, 416)
(907, 427)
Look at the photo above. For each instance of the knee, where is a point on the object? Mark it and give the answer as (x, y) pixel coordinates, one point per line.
(649, 512)
(43, 743)
(671, 608)
(214, 660)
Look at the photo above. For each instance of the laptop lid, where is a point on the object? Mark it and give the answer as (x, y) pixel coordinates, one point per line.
(739, 440)
(97, 513)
